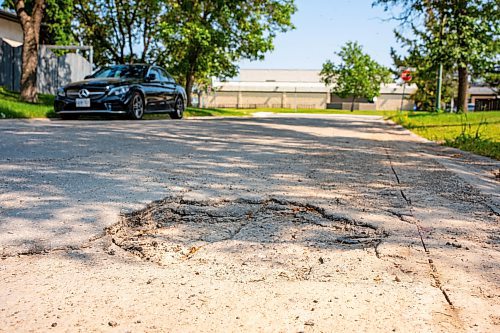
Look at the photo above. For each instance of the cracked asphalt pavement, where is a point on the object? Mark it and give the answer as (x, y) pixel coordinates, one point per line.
(276, 223)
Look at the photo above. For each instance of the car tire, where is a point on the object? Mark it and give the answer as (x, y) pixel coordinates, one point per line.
(136, 106)
(178, 109)
(69, 116)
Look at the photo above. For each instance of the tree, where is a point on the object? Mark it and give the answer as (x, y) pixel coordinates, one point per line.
(423, 54)
(472, 31)
(205, 38)
(56, 22)
(56, 17)
(120, 31)
(357, 75)
(30, 23)
(467, 37)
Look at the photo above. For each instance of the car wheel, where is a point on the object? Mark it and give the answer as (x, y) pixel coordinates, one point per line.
(136, 106)
(69, 116)
(178, 109)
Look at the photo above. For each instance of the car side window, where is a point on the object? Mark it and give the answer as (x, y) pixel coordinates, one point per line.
(156, 72)
(170, 79)
(166, 76)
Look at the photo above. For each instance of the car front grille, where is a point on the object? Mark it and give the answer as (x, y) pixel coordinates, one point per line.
(94, 93)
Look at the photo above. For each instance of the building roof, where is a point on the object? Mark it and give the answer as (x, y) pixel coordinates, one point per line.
(271, 86)
(9, 16)
(482, 91)
(279, 75)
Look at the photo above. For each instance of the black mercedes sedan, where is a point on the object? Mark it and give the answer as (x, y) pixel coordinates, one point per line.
(132, 90)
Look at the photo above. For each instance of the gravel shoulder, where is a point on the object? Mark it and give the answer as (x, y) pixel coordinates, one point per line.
(276, 223)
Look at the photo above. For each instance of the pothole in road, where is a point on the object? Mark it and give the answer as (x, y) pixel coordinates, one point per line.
(174, 230)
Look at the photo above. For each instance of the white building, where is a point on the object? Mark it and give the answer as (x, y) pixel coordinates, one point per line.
(301, 89)
(271, 88)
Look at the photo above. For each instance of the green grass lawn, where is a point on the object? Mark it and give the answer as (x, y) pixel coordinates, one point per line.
(196, 112)
(11, 107)
(315, 111)
(478, 132)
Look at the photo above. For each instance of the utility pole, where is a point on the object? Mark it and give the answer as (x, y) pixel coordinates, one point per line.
(439, 86)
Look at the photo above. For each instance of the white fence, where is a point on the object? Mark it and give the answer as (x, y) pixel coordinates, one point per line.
(53, 71)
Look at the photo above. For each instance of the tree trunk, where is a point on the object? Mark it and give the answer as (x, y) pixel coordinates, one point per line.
(31, 31)
(189, 87)
(352, 103)
(463, 85)
(29, 65)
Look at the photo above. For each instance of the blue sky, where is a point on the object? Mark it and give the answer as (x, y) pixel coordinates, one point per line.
(322, 27)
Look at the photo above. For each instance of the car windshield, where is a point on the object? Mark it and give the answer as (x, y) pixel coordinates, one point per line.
(128, 72)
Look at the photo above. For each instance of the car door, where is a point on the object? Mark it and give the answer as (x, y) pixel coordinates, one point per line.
(154, 90)
(169, 89)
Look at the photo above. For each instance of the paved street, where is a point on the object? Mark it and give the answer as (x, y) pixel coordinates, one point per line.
(272, 223)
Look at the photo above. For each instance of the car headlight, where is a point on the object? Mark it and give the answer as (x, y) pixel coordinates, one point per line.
(61, 92)
(118, 91)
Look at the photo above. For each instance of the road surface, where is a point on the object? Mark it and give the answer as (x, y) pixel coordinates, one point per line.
(305, 223)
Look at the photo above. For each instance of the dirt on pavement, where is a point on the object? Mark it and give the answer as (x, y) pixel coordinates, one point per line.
(275, 224)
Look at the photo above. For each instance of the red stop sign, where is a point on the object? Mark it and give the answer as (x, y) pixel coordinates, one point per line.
(406, 75)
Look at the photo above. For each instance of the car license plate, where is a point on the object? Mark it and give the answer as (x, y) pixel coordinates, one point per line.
(83, 102)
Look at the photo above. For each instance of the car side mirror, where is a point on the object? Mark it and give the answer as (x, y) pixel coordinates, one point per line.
(88, 77)
(151, 77)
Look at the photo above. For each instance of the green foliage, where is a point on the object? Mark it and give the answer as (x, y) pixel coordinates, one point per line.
(194, 39)
(357, 75)
(205, 38)
(116, 29)
(57, 20)
(470, 33)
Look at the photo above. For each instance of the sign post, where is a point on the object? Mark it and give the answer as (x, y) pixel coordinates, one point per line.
(406, 77)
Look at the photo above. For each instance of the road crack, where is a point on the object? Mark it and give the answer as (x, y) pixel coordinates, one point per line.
(417, 223)
(172, 228)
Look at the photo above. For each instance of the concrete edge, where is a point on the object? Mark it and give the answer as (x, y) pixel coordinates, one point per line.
(477, 178)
